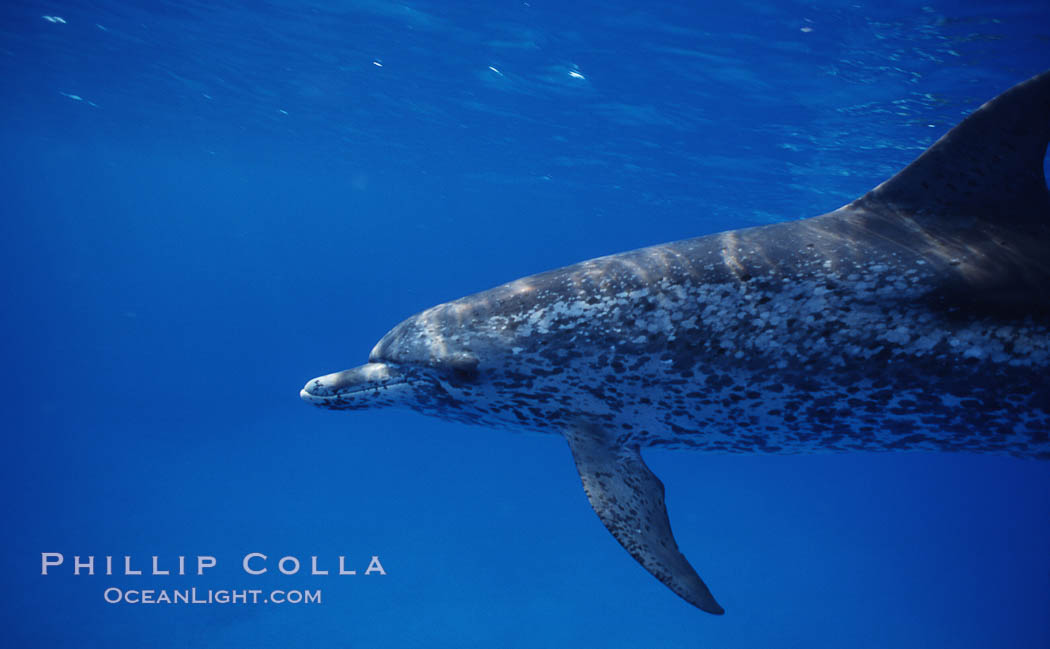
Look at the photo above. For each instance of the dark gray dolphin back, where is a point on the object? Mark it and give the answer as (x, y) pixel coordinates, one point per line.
(990, 166)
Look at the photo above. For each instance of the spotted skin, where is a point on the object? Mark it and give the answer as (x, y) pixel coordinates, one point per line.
(917, 317)
(785, 338)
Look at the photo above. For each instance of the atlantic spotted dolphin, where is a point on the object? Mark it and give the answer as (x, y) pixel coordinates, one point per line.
(916, 317)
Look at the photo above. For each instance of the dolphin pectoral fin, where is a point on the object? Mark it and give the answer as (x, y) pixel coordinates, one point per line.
(629, 500)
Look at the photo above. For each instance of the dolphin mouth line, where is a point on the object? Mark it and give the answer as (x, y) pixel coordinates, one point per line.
(343, 387)
(306, 395)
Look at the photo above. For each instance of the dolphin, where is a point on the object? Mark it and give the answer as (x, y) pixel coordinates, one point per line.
(915, 317)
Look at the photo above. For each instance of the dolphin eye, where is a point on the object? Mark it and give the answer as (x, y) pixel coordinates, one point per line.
(462, 368)
(462, 375)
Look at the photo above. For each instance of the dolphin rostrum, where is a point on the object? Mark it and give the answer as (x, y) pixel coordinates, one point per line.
(916, 317)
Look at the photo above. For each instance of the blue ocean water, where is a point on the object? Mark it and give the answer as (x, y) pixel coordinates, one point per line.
(208, 203)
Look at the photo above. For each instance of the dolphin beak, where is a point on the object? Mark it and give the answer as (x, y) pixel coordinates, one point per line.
(367, 385)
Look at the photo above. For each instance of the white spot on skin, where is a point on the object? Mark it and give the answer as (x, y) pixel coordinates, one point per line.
(897, 336)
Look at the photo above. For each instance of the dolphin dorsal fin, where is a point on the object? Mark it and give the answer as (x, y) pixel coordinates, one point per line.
(989, 167)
